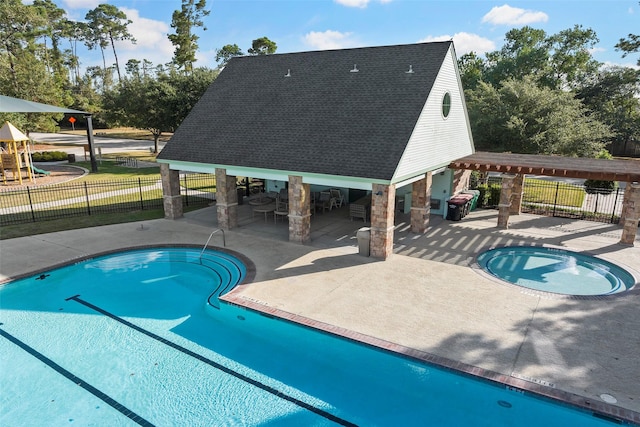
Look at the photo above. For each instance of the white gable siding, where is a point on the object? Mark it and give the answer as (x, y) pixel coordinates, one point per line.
(437, 141)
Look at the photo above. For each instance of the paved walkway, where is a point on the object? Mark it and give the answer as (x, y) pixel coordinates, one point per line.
(426, 300)
(74, 144)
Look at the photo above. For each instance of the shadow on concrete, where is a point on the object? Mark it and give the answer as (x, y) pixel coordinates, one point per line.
(577, 346)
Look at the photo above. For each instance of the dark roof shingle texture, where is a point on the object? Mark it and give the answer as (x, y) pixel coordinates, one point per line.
(323, 119)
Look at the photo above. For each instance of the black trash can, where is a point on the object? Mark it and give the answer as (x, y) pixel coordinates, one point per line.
(240, 191)
(71, 158)
(454, 212)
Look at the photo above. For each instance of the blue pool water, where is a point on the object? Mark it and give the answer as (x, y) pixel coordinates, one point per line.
(131, 339)
(555, 270)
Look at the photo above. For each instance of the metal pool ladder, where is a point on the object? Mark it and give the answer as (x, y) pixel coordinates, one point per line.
(224, 241)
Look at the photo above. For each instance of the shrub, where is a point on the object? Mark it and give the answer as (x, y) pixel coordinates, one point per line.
(494, 194)
(484, 193)
(474, 180)
(594, 186)
(49, 156)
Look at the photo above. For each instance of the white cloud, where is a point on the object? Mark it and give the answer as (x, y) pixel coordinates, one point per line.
(151, 39)
(465, 43)
(205, 58)
(353, 3)
(81, 4)
(329, 40)
(358, 3)
(149, 33)
(608, 64)
(507, 15)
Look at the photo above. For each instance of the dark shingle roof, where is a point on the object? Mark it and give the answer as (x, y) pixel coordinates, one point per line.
(323, 119)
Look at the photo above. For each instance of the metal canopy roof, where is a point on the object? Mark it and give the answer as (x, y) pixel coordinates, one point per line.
(568, 167)
(9, 104)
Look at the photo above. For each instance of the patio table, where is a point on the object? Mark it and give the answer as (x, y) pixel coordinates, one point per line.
(266, 210)
(260, 200)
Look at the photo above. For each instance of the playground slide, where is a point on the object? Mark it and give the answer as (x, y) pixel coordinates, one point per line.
(39, 171)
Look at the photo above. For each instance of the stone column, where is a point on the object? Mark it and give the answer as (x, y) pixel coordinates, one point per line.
(299, 210)
(630, 213)
(516, 195)
(382, 211)
(421, 204)
(226, 200)
(505, 200)
(171, 198)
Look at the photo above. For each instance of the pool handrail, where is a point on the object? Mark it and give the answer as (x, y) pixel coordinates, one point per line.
(224, 241)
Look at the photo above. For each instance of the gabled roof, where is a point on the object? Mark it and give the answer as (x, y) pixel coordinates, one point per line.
(310, 113)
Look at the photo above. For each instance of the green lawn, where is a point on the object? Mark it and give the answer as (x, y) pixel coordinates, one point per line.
(546, 192)
(143, 202)
(86, 221)
(50, 226)
(108, 170)
(109, 177)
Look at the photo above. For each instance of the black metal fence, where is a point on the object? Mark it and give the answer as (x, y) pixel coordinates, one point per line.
(33, 204)
(567, 199)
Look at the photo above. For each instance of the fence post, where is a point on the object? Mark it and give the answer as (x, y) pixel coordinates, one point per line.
(33, 215)
(555, 200)
(86, 193)
(613, 210)
(186, 191)
(141, 199)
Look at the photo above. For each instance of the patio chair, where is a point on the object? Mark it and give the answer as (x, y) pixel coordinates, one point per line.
(324, 201)
(284, 194)
(338, 197)
(282, 205)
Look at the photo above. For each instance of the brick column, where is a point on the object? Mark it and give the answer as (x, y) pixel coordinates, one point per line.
(421, 204)
(382, 211)
(226, 200)
(299, 210)
(505, 200)
(171, 198)
(516, 195)
(630, 213)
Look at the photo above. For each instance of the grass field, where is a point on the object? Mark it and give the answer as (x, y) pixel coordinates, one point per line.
(109, 171)
(546, 192)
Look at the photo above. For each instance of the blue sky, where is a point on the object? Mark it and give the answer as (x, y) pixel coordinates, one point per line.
(301, 25)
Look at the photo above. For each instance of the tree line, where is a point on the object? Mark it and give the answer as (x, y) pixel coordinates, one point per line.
(539, 93)
(546, 94)
(39, 62)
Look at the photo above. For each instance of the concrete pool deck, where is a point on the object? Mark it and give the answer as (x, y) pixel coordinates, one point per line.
(426, 300)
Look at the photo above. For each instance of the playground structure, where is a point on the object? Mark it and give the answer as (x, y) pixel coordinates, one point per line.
(12, 159)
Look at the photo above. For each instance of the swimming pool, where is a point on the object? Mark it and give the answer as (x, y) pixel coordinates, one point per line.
(555, 270)
(130, 339)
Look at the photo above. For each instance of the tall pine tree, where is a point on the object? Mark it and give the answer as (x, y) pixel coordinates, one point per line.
(185, 41)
